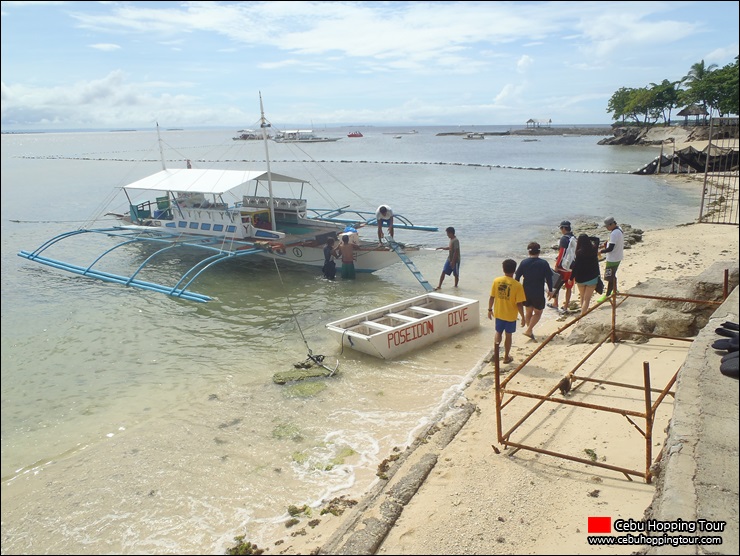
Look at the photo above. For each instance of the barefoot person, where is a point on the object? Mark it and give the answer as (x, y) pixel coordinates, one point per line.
(452, 264)
(585, 270)
(506, 300)
(537, 274)
(346, 251)
(614, 250)
(384, 215)
(566, 254)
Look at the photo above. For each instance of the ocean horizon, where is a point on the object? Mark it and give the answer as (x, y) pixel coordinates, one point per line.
(327, 127)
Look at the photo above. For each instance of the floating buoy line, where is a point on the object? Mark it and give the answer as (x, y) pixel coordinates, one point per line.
(205, 162)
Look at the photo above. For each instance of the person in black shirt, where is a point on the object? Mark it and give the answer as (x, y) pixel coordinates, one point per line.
(537, 275)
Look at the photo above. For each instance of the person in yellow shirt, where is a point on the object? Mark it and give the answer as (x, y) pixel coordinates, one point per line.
(506, 300)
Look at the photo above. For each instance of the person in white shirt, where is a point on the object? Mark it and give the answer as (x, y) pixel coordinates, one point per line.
(384, 214)
(614, 251)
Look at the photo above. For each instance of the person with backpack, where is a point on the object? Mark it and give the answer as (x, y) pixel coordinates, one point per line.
(566, 256)
(585, 270)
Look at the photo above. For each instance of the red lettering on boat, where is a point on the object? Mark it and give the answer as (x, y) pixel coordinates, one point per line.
(410, 333)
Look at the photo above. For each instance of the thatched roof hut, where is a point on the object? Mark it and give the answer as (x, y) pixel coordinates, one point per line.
(537, 123)
(696, 111)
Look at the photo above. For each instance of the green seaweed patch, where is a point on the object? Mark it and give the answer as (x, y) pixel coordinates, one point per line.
(299, 457)
(336, 506)
(343, 454)
(305, 389)
(291, 522)
(591, 454)
(242, 547)
(294, 510)
(287, 430)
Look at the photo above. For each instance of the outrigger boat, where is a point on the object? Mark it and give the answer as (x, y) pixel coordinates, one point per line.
(227, 214)
(393, 330)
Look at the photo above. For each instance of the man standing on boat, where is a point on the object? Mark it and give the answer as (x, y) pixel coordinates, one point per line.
(384, 214)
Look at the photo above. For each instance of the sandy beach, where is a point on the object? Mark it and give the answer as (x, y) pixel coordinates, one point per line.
(474, 496)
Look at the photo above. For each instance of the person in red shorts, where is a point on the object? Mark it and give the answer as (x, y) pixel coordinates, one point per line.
(562, 267)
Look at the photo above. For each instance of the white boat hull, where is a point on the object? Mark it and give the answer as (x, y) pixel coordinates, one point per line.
(367, 259)
(394, 330)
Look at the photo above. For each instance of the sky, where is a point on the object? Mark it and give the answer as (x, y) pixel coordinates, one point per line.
(129, 65)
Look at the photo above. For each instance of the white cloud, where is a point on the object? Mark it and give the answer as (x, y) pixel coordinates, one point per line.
(106, 47)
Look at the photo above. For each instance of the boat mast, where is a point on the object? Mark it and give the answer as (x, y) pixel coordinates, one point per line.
(264, 125)
(161, 153)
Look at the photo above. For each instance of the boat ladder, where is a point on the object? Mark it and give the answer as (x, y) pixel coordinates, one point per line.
(410, 264)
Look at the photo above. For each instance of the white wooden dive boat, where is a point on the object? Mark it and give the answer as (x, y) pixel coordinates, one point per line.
(224, 214)
(390, 331)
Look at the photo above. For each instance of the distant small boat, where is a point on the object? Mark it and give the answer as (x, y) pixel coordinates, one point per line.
(355, 134)
(248, 135)
(398, 136)
(474, 136)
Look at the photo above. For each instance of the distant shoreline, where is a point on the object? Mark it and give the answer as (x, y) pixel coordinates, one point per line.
(567, 131)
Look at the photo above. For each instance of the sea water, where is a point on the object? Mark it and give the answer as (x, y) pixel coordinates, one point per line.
(137, 423)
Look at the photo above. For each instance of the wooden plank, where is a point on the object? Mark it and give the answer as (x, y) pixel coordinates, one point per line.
(399, 316)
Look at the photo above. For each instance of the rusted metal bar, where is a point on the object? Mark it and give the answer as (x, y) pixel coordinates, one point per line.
(611, 383)
(573, 458)
(677, 299)
(498, 393)
(528, 413)
(648, 421)
(618, 410)
(666, 391)
(648, 334)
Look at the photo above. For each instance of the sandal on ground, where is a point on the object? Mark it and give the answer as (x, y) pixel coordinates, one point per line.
(552, 306)
(508, 360)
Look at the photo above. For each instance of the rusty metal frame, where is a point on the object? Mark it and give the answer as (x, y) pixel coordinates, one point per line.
(651, 406)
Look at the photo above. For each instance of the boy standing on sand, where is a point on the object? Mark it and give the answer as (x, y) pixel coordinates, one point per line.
(508, 296)
(452, 264)
(614, 250)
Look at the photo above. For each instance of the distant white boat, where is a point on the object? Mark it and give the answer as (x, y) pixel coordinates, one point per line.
(474, 136)
(302, 136)
(390, 331)
(398, 136)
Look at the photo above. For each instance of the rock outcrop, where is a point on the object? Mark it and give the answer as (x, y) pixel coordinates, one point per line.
(656, 135)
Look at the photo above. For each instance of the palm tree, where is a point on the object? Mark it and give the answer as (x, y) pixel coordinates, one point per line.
(698, 72)
(696, 81)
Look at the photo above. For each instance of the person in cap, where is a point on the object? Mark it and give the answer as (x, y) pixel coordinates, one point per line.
(537, 275)
(562, 267)
(613, 249)
(384, 215)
